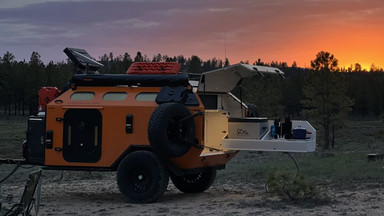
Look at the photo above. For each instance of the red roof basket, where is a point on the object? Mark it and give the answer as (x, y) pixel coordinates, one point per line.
(154, 68)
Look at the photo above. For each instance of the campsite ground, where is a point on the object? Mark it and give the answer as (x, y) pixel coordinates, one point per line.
(346, 182)
(100, 196)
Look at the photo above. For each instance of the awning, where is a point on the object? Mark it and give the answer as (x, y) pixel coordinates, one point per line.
(226, 79)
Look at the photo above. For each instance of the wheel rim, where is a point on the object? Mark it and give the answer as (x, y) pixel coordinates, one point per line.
(140, 179)
(193, 178)
(175, 131)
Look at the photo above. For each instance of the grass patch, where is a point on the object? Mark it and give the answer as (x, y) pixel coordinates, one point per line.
(346, 163)
(332, 168)
(342, 166)
(12, 135)
(361, 136)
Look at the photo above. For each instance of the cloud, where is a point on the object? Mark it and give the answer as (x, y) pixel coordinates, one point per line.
(275, 28)
(219, 9)
(23, 3)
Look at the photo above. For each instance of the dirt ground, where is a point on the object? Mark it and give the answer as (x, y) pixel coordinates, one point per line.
(102, 197)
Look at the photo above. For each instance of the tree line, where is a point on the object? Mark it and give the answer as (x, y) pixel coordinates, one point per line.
(21, 80)
(324, 92)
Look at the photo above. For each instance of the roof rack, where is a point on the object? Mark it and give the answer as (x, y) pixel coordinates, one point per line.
(146, 80)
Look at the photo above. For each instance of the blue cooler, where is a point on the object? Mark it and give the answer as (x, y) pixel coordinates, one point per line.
(299, 133)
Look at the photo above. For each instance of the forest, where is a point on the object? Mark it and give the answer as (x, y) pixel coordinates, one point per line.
(324, 93)
(21, 80)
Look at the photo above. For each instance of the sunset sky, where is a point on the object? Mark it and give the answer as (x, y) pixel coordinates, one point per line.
(278, 30)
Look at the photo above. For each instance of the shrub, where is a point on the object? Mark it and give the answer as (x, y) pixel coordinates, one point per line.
(289, 186)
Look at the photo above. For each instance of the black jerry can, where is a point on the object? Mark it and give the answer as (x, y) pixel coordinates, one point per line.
(34, 147)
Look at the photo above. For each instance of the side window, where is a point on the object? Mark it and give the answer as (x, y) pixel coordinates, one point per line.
(146, 96)
(115, 96)
(82, 96)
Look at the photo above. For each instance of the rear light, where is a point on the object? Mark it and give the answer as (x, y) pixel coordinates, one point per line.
(49, 139)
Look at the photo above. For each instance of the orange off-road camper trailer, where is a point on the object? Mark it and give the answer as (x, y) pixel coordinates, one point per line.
(150, 125)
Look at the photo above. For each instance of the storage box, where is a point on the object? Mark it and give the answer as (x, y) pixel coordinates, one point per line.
(247, 128)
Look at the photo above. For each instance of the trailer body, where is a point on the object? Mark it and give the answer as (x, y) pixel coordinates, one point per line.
(152, 123)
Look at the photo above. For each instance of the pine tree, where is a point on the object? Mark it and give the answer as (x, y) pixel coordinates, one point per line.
(7, 81)
(127, 61)
(36, 77)
(265, 92)
(195, 65)
(226, 63)
(139, 57)
(325, 100)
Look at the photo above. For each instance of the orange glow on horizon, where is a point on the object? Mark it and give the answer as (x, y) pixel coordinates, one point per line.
(348, 49)
(350, 43)
(352, 37)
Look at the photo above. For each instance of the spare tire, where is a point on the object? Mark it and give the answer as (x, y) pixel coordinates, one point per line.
(167, 134)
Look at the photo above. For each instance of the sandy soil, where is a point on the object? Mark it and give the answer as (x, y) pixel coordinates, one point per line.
(102, 197)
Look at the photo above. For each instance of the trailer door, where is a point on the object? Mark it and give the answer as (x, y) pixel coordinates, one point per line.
(82, 135)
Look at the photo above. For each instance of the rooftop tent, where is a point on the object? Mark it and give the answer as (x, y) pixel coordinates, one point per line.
(226, 79)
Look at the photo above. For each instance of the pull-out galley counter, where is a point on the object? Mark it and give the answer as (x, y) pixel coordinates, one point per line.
(228, 129)
(254, 134)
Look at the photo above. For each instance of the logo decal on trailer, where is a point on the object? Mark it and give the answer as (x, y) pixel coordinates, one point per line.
(241, 132)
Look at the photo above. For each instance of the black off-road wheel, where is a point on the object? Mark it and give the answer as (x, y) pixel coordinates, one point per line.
(194, 183)
(167, 134)
(141, 177)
